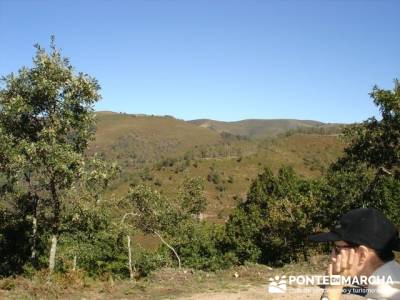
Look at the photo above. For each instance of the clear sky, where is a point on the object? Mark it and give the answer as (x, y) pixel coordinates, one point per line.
(225, 60)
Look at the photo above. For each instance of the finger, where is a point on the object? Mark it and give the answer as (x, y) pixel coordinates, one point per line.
(344, 259)
(333, 259)
(338, 262)
(333, 253)
(330, 269)
(350, 261)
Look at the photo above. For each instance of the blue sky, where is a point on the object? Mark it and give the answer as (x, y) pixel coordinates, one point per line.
(224, 60)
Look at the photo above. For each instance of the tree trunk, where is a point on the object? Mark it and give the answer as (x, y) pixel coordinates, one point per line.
(305, 252)
(35, 202)
(53, 249)
(74, 264)
(170, 247)
(55, 225)
(128, 238)
(129, 256)
(34, 231)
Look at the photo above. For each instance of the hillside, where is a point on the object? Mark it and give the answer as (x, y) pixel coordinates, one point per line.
(162, 151)
(260, 129)
(228, 178)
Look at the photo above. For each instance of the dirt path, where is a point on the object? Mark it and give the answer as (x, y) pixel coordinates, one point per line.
(251, 293)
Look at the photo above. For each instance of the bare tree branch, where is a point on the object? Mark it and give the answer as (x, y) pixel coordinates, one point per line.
(170, 247)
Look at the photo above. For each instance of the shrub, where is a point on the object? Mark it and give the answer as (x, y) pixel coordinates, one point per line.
(220, 187)
(200, 246)
(272, 225)
(214, 177)
(146, 262)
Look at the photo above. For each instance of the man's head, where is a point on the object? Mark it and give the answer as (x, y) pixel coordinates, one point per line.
(367, 235)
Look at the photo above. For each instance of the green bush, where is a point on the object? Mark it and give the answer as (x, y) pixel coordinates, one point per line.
(272, 225)
(146, 262)
(199, 245)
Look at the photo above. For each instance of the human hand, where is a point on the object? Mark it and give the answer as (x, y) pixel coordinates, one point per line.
(343, 263)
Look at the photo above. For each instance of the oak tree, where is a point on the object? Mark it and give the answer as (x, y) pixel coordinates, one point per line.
(46, 122)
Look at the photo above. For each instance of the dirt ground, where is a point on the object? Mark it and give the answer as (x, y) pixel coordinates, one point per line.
(259, 293)
(249, 292)
(243, 282)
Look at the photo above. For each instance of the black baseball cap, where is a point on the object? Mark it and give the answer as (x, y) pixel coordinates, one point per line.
(363, 226)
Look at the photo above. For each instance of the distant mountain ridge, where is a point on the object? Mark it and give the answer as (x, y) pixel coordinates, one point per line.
(260, 128)
(250, 128)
